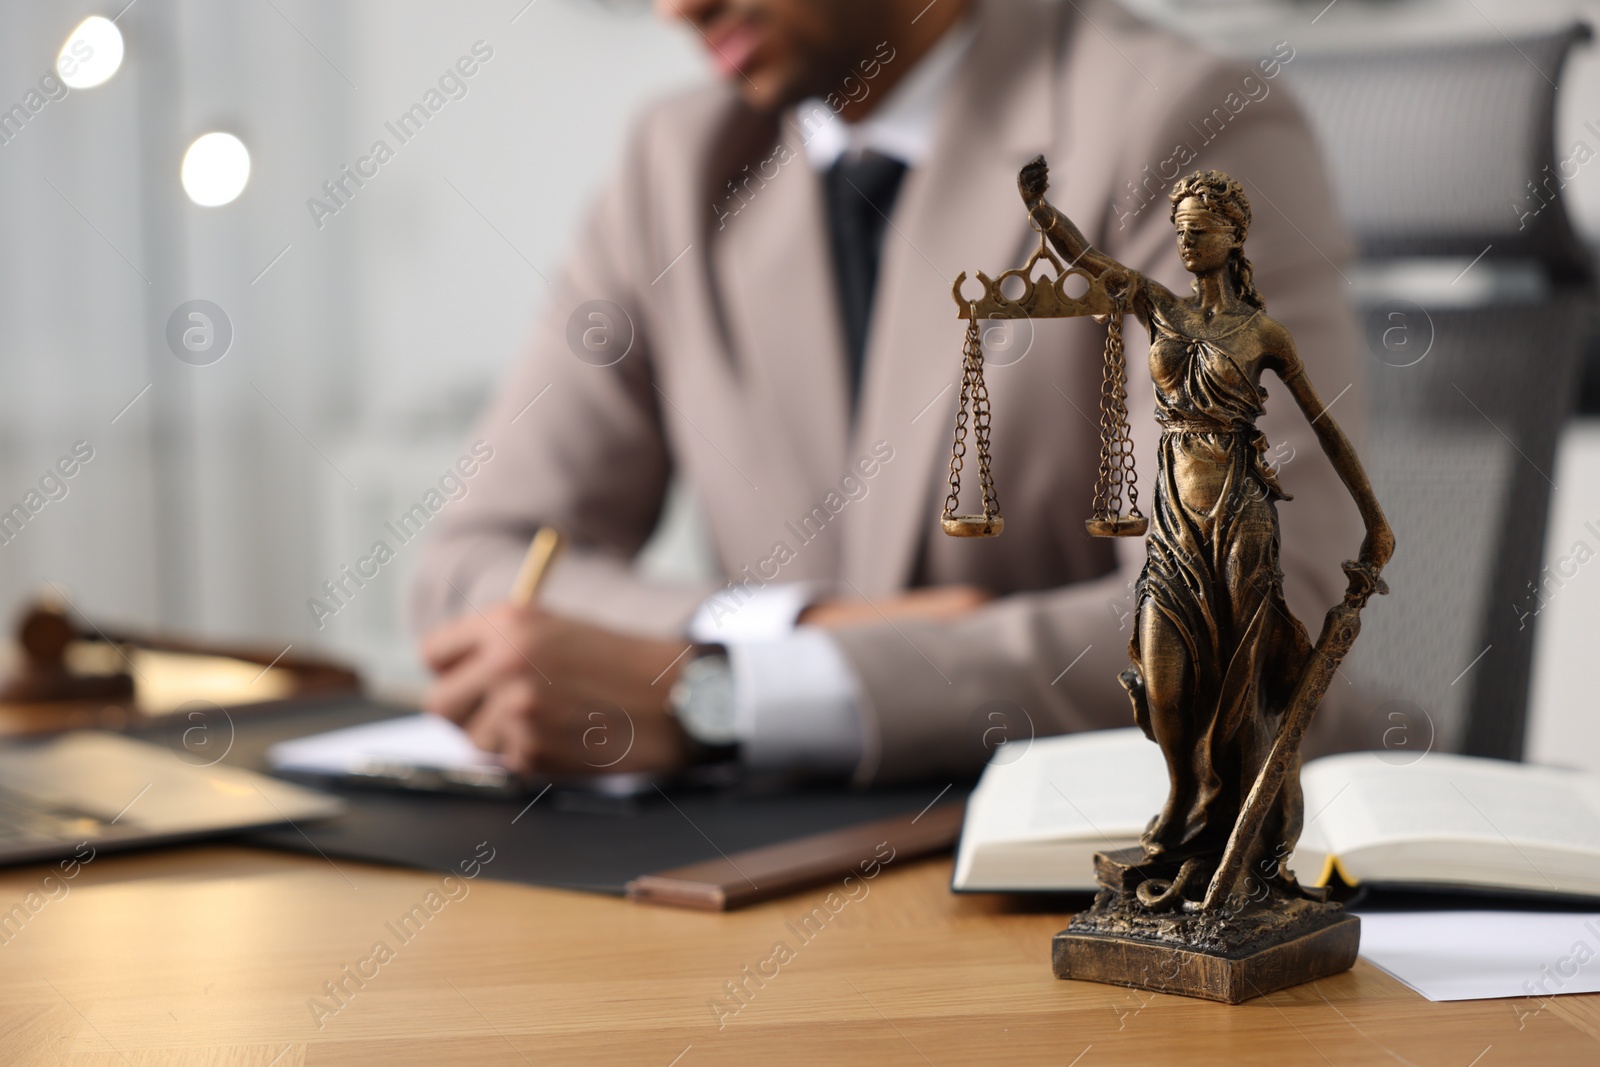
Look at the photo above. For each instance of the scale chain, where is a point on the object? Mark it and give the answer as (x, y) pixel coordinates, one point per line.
(975, 393)
(1117, 478)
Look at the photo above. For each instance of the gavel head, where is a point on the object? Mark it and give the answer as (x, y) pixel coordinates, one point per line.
(44, 632)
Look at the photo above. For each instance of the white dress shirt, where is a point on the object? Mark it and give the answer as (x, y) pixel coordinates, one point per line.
(795, 697)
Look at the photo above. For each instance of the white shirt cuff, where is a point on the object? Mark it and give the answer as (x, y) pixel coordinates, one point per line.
(737, 613)
(795, 704)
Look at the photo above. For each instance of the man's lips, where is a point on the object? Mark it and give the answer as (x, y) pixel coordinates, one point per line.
(733, 47)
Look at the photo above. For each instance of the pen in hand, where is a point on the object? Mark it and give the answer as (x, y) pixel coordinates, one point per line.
(542, 551)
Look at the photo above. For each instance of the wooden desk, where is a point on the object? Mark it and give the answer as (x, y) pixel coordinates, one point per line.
(209, 955)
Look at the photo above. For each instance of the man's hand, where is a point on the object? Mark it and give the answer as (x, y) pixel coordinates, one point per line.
(557, 696)
(934, 602)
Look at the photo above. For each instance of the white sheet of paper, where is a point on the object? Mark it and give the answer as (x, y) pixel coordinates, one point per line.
(414, 740)
(1482, 955)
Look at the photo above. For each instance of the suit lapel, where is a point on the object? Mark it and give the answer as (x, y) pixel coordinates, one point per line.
(774, 264)
(958, 211)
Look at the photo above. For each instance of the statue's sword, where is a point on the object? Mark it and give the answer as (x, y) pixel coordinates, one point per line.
(1339, 632)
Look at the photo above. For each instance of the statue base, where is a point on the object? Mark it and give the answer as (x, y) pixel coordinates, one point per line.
(1269, 943)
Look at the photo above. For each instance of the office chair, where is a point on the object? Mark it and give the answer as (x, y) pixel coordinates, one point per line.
(1476, 313)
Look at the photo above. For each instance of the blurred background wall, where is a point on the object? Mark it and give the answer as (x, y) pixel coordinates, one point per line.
(225, 494)
(220, 497)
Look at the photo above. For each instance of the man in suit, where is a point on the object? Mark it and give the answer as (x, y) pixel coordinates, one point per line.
(772, 264)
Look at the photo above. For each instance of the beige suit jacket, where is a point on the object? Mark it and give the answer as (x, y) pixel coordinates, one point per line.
(736, 379)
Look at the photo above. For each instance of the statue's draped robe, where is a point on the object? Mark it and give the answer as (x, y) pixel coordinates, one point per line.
(1214, 574)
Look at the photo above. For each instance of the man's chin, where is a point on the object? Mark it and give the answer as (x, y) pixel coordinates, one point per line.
(768, 88)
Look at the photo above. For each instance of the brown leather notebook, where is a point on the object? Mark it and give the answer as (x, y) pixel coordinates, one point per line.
(763, 873)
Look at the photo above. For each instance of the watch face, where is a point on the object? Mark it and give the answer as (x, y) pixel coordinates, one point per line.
(702, 700)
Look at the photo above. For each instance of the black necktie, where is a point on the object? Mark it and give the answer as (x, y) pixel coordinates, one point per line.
(860, 192)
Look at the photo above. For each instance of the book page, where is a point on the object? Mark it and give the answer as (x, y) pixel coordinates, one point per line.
(1360, 801)
(1107, 795)
(1044, 807)
(1091, 786)
(410, 740)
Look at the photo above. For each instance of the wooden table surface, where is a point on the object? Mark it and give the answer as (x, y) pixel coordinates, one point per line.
(218, 955)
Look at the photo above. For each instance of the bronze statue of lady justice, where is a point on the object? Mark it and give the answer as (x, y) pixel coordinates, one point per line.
(1223, 678)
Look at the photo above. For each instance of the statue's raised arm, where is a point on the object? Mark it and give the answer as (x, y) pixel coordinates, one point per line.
(1063, 233)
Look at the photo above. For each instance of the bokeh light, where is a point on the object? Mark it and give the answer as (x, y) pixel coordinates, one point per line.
(91, 55)
(215, 169)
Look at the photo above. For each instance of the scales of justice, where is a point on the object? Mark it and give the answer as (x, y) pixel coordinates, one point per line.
(1222, 677)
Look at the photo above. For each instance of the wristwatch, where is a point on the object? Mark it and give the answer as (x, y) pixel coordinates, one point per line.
(702, 699)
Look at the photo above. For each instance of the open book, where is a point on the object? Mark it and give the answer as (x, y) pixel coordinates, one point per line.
(1040, 813)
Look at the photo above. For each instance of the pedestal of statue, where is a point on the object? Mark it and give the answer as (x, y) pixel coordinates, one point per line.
(1265, 941)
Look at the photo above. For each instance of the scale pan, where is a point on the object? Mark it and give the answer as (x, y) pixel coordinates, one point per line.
(1119, 526)
(973, 525)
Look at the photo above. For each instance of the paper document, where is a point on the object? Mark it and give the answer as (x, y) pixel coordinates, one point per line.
(412, 740)
(1481, 955)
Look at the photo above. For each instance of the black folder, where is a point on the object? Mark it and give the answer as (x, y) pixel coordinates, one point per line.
(562, 838)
